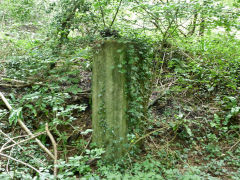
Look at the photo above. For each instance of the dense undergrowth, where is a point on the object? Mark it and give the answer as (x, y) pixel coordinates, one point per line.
(194, 113)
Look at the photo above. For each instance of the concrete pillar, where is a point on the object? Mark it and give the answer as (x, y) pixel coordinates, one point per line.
(109, 100)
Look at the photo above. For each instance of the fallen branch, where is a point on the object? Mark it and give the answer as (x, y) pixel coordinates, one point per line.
(54, 148)
(21, 162)
(14, 85)
(148, 134)
(21, 123)
(19, 83)
(13, 80)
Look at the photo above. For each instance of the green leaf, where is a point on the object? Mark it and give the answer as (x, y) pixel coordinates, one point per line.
(32, 108)
(188, 130)
(15, 115)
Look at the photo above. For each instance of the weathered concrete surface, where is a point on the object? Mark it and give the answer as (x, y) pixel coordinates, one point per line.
(109, 101)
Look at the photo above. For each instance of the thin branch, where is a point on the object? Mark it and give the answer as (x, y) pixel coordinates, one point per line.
(21, 123)
(102, 13)
(8, 162)
(116, 13)
(156, 67)
(12, 139)
(54, 148)
(20, 142)
(176, 27)
(87, 145)
(170, 25)
(19, 83)
(155, 18)
(234, 146)
(14, 86)
(21, 162)
(146, 135)
(156, 146)
(13, 80)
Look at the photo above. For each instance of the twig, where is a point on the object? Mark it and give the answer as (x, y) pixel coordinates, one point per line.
(7, 166)
(9, 139)
(21, 162)
(22, 82)
(21, 123)
(13, 80)
(143, 137)
(87, 145)
(234, 145)
(19, 83)
(156, 146)
(20, 142)
(15, 86)
(161, 70)
(54, 148)
(116, 13)
(12, 139)
(102, 13)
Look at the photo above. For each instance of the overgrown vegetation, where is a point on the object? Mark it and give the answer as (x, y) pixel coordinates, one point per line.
(193, 122)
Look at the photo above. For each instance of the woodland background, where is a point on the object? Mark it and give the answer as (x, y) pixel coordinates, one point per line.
(192, 129)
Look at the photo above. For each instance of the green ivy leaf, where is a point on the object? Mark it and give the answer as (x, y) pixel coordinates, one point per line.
(188, 130)
(31, 107)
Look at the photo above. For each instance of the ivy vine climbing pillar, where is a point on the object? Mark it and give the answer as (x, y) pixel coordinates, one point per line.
(109, 99)
(118, 89)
